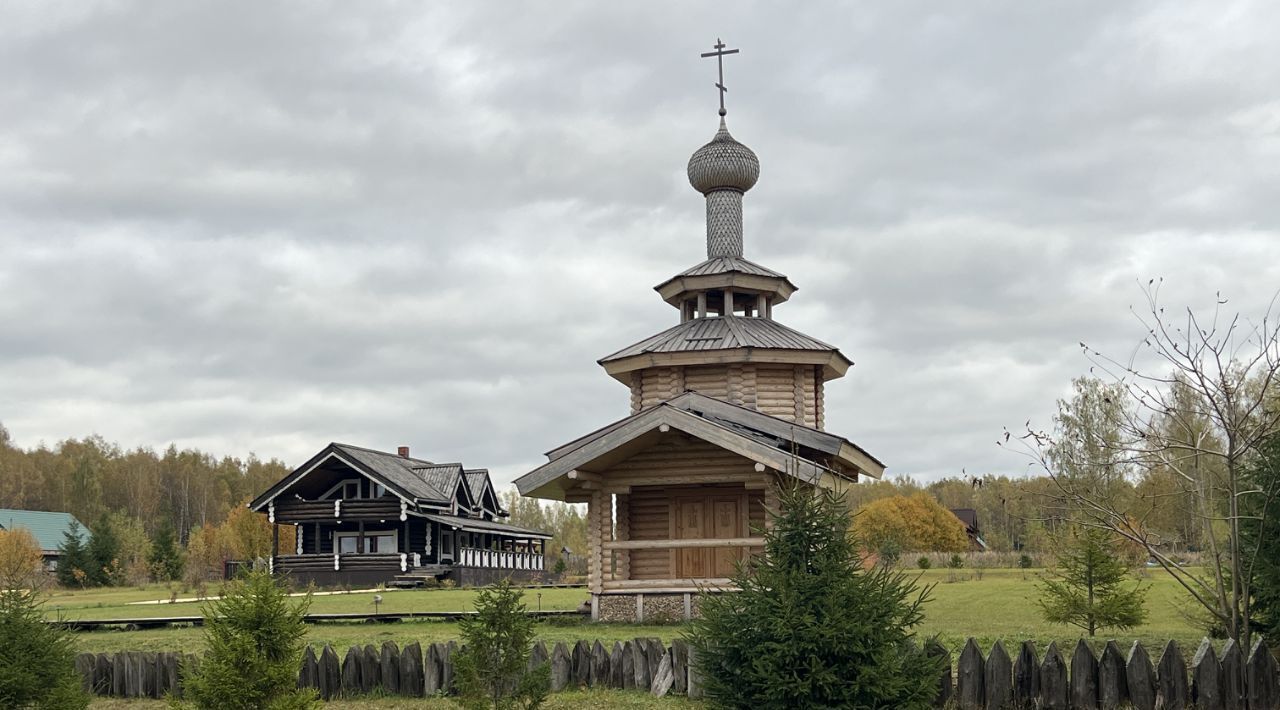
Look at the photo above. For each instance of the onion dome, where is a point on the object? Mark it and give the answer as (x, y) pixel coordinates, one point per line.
(723, 164)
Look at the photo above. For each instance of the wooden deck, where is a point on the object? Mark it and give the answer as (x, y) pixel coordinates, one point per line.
(382, 617)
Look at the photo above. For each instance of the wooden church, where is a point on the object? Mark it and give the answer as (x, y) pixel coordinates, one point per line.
(725, 405)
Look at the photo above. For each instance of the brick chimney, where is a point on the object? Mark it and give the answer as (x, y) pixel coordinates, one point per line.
(403, 451)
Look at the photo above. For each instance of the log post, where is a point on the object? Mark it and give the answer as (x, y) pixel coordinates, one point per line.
(1113, 687)
(1171, 679)
(1141, 678)
(1053, 680)
(389, 660)
(1206, 678)
(970, 677)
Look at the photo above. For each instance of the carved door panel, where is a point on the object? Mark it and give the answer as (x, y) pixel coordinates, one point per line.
(691, 514)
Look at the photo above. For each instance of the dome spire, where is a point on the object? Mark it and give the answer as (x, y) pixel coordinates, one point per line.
(723, 170)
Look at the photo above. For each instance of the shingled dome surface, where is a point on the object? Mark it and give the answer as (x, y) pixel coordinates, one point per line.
(723, 164)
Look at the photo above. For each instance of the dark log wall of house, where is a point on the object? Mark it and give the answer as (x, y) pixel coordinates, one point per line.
(418, 531)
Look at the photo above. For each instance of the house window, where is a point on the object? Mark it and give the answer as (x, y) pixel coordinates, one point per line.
(374, 542)
(378, 490)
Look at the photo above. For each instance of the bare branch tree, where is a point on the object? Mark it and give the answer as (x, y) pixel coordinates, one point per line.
(1199, 418)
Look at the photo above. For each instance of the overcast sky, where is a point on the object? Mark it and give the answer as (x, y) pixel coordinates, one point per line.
(249, 226)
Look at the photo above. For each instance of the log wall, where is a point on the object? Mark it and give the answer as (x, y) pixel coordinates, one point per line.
(993, 681)
(789, 392)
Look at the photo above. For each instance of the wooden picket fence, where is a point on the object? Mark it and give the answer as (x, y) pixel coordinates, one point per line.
(1116, 679)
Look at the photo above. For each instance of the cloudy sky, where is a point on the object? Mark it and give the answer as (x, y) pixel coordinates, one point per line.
(247, 226)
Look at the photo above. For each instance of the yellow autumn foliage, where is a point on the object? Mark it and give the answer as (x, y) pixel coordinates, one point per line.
(915, 523)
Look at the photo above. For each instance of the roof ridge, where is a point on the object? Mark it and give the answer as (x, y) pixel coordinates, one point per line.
(383, 453)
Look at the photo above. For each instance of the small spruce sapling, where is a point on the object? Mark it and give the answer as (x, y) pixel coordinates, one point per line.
(811, 628)
(37, 659)
(1087, 592)
(255, 638)
(492, 669)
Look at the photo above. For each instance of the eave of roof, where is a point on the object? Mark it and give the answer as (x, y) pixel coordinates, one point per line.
(754, 435)
(485, 526)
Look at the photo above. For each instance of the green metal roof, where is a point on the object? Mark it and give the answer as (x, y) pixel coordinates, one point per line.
(48, 528)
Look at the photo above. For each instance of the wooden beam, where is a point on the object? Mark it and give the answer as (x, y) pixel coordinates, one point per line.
(579, 475)
(656, 584)
(675, 544)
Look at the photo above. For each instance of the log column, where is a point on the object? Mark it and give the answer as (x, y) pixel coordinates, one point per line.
(624, 533)
(598, 528)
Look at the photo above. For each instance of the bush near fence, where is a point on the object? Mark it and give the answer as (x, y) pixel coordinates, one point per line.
(1212, 681)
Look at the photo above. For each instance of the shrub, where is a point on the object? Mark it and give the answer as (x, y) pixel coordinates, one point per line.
(21, 561)
(255, 637)
(924, 563)
(956, 562)
(1025, 562)
(810, 627)
(37, 660)
(493, 666)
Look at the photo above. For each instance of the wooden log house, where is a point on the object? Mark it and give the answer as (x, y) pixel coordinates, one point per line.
(725, 405)
(363, 517)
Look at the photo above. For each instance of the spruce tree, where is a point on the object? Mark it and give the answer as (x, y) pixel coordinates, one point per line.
(72, 557)
(103, 554)
(493, 667)
(165, 559)
(37, 659)
(1260, 538)
(255, 636)
(1088, 591)
(810, 627)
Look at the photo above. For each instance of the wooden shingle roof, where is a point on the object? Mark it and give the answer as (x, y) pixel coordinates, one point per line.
(726, 333)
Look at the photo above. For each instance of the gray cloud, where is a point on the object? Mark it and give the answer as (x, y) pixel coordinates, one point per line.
(265, 227)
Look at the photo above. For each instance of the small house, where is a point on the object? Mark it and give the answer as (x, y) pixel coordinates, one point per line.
(48, 528)
(362, 516)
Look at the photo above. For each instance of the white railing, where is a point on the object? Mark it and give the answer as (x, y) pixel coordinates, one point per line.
(498, 559)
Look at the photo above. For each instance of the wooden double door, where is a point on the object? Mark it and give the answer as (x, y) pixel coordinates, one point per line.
(704, 517)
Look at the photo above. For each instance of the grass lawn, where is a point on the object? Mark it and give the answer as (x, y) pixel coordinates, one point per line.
(589, 699)
(1000, 606)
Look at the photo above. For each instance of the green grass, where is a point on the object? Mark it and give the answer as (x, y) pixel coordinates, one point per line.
(114, 603)
(589, 699)
(1000, 606)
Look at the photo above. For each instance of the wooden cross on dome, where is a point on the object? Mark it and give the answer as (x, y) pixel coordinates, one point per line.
(719, 55)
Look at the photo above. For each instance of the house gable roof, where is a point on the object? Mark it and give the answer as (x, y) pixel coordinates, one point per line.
(808, 454)
(413, 480)
(48, 528)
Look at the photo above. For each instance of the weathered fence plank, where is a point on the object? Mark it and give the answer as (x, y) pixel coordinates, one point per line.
(1206, 678)
(640, 656)
(628, 665)
(599, 676)
(102, 674)
(561, 667)
(350, 672)
(329, 673)
(944, 686)
(680, 666)
(1113, 686)
(654, 650)
(1171, 679)
(1026, 676)
(84, 666)
(433, 669)
(695, 690)
(1084, 677)
(615, 665)
(448, 684)
(1261, 678)
(411, 670)
(664, 678)
(1053, 680)
(1233, 676)
(970, 670)
(308, 675)
(998, 678)
(581, 656)
(389, 660)
(1141, 678)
